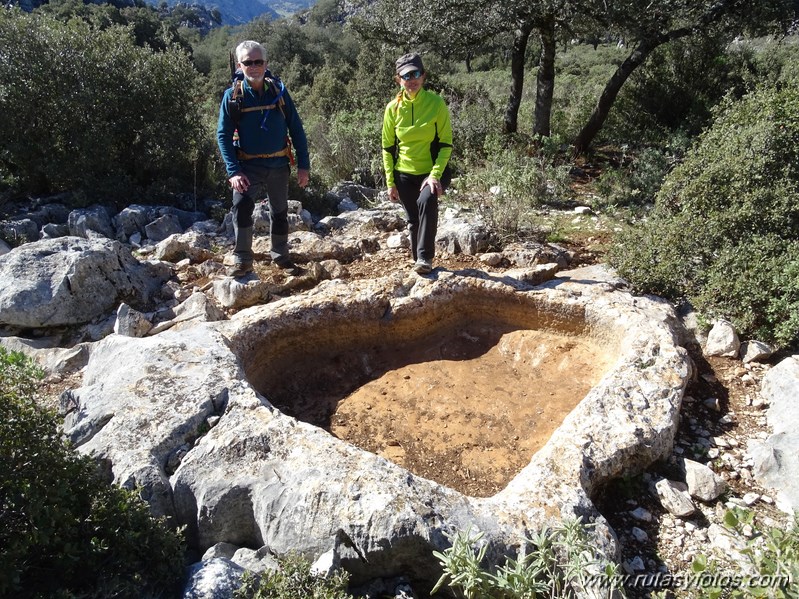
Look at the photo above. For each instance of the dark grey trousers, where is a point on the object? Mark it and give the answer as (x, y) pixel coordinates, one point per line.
(270, 183)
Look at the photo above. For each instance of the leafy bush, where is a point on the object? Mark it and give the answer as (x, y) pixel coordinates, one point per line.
(63, 530)
(770, 555)
(87, 109)
(293, 580)
(560, 560)
(511, 181)
(636, 181)
(676, 89)
(724, 233)
(346, 146)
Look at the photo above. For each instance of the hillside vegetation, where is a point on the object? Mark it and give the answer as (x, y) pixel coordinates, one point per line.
(694, 152)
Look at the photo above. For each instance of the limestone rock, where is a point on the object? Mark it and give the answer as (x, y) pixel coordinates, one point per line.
(132, 220)
(71, 280)
(240, 293)
(199, 307)
(260, 478)
(703, 483)
(722, 340)
(536, 275)
(163, 227)
(132, 410)
(776, 460)
(52, 359)
(254, 560)
(90, 222)
(52, 230)
(131, 322)
(314, 247)
(333, 269)
(459, 236)
(221, 549)
(531, 254)
(19, 231)
(194, 246)
(755, 351)
(217, 578)
(397, 241)
(780, 388)
(674, 497)
(491, 258)
(346, 205)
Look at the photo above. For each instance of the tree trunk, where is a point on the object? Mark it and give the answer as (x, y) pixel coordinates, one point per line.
(603, 106)
(644, 48)
(510, 122)
(545, 81)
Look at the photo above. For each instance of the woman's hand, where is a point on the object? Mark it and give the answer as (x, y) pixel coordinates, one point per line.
(303, 176)
(393, 194)
(435, 185)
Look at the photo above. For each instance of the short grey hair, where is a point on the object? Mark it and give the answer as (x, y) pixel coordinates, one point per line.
(248, 45)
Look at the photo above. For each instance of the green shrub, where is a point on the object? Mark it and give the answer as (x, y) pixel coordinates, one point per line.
(770, 555)
(559, 560)
(63, 530)
(675, 89)
(636, 181)
(724, 233)
(293, 580)
(84, 109)
(346, 146)
(513, 179)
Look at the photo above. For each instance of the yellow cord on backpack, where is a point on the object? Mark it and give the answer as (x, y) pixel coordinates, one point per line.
(242, 155)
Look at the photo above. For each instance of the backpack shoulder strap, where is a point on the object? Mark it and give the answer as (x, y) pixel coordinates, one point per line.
(238, 89)
(278, 91)
(234, 102)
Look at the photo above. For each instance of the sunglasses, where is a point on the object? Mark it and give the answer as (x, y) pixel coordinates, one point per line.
(412, 75)
(249, 63)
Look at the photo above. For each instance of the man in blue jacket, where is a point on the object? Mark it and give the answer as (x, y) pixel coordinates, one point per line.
(258, 123)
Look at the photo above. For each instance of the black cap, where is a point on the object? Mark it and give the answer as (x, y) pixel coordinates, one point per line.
(409, 62)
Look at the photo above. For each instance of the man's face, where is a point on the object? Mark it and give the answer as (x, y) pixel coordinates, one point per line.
(253, 65)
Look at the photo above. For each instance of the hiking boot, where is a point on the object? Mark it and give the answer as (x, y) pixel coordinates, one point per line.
(423, 266)
(284, 262)
(240, 269)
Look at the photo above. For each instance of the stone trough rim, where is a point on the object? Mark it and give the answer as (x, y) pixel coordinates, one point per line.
(372, 532)
(574, 293)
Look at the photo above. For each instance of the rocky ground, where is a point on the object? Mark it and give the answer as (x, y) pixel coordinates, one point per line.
(721, 413)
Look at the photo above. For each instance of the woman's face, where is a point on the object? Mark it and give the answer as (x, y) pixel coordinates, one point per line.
(412, 82)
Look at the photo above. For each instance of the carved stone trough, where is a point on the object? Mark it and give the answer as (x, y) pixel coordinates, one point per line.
(259, 477)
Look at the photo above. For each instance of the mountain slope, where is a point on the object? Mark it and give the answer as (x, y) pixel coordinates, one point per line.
(238, 12)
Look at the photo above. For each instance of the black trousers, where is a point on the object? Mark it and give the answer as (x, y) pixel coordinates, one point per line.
(421, 209)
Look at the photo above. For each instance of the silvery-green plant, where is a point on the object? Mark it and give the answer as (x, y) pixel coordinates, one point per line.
(554, 563)
(461, 563)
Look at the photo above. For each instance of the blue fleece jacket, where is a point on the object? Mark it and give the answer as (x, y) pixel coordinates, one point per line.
(261, 131)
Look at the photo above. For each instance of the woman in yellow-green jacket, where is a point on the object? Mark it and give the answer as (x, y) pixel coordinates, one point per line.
(417, 143)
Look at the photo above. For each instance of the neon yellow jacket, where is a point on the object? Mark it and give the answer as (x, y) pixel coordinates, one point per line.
(413, 125)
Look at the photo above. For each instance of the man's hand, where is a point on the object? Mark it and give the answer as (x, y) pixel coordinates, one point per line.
(303, 176)
(239, 182)
(393, 194)
(435, 185)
